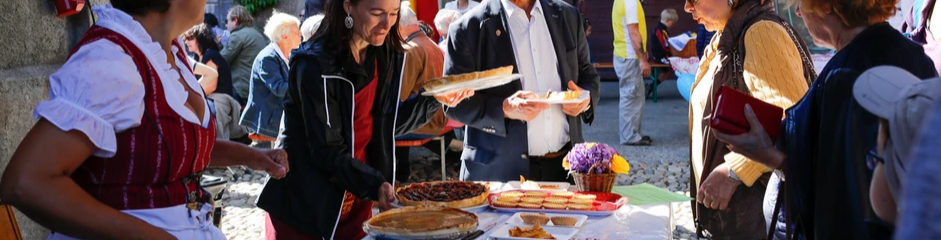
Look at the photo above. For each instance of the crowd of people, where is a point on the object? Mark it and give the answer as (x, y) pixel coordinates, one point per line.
(151, 97)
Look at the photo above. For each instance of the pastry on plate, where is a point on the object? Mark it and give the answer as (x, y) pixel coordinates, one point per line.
(564, 221)
(579, 206)
(563, 194)
(536, 194)
(557, 200)
(530, 205)
(456, 194)
(506, 204)
(554, 205)
(530, 232)
(534, 218)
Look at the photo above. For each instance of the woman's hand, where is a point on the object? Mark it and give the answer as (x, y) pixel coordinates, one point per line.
(386, 196)
(453, 98)
(273, 161)
(718, 188)
(516, 106)
(574, 109)
(754, 144)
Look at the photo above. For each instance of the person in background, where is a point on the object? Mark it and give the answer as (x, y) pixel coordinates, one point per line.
(507, 136)
(310, 26)
(828, 133)
(131, 132)
(926, 30)
(222, 36)
(703, 38)
(631, 66)
(442, 23)
(424, 61)
(461, 6)
(269, 80)
(341, 112)
(758, 53)
(312, 8)
(200, 40)
(660, 47)
(244, 44)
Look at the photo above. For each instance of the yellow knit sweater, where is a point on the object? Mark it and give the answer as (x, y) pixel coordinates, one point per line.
(773, 73)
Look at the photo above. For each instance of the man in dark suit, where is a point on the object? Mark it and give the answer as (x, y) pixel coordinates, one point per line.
(508, 136)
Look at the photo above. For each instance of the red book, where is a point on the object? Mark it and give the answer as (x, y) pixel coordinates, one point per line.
(728, 116)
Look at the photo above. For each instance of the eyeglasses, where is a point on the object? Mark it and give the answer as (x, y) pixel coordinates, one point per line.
(873, 158)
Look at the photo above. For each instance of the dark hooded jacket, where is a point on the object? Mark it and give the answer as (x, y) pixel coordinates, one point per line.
(826, 137)
(317, 133)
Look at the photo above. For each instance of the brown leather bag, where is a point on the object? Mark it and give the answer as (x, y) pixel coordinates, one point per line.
(8, 228)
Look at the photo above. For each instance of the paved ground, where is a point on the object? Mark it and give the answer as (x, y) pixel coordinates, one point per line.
(664, 164)
(664, 121)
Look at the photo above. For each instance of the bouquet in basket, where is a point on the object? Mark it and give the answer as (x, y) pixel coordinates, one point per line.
(594, 166)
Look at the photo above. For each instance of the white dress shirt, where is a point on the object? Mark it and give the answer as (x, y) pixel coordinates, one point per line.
(537, 62)
(99, 91)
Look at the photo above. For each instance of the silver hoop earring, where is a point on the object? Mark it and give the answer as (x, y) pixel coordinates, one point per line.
(731, 3)
(348, 21)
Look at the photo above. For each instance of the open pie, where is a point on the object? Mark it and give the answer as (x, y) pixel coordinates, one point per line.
(451, 79)
(422, 222)
(454, 194)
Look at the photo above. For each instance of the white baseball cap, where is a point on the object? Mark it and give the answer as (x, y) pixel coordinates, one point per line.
(893, 94)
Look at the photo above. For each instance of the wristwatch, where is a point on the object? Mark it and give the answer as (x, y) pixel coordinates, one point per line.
(732, 175)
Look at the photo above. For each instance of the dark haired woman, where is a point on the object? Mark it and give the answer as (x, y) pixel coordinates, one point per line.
(131, 133)
(202, 42)
(222, 36)
(341, 113)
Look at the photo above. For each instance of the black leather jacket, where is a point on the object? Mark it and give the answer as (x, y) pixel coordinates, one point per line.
(317, 133)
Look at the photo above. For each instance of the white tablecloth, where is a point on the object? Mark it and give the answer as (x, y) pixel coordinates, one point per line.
(653, 222)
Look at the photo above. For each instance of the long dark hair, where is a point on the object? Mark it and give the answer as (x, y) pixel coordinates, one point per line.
(336, 33)
(210, 20)
(204, 36)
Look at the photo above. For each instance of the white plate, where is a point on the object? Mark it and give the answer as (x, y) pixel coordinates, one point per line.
(477, 84)
(517, 220)
(559, 186)
(476, 208)
(503, 232)
(581, 97)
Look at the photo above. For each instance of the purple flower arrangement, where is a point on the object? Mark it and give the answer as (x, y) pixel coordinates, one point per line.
(585, 155)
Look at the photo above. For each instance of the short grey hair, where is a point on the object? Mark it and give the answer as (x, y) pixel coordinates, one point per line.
(407, 17)
(444, 19)
(669, 14)
(279, 25)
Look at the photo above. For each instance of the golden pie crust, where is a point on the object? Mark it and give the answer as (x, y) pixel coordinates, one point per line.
(448, 187)
(422, 221)
(451, 79)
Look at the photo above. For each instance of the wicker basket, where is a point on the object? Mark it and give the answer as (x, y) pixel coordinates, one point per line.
(594, 182)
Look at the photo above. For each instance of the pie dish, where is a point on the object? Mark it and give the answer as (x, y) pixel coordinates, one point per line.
(422, 222)
(455, 194)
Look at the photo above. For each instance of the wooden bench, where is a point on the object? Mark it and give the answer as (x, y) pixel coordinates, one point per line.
(655, 69)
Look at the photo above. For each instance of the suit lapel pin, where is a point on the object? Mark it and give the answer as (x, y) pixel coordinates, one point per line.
(499, 32)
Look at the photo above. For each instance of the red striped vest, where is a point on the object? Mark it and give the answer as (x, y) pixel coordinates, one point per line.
(157, 163)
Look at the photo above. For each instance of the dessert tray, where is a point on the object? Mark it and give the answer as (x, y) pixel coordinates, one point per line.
(586, 203)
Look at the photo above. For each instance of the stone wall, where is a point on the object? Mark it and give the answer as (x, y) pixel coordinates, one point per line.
(34, 44)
